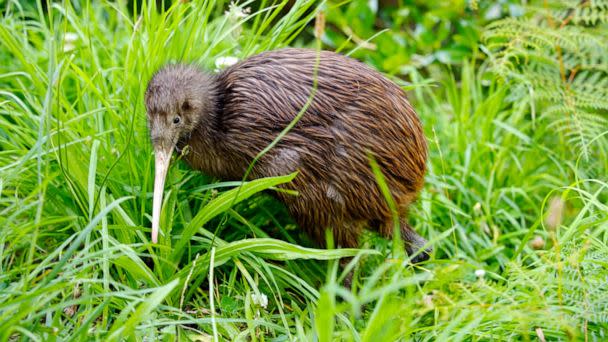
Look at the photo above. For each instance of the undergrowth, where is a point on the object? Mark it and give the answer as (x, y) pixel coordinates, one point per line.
(556, 56)
(518, 222)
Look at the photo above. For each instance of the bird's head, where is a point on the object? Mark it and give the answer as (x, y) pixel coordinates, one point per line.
(178, 99)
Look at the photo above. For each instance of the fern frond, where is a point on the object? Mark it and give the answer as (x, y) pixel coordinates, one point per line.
(560, 52)
(595, 13)
(575, 281)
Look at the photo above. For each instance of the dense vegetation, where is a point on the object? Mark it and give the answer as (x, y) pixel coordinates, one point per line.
(513, 98)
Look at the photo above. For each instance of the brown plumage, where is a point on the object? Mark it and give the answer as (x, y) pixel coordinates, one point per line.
(228, 118)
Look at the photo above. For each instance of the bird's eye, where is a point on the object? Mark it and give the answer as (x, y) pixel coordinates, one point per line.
(176, 120)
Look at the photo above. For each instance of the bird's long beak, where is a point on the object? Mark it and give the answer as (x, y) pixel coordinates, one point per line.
(162, 157)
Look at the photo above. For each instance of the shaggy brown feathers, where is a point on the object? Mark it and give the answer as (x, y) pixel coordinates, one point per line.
(232, 116)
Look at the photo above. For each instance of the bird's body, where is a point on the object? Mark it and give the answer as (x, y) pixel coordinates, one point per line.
(355, 112)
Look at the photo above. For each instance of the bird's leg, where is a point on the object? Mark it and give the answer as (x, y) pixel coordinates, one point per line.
(347, 236)
(411, 240)
(414, 242)
(348, 280)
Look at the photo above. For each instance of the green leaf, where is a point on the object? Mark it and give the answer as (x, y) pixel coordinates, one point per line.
(281, 250)
(324, 316)
(222, 204)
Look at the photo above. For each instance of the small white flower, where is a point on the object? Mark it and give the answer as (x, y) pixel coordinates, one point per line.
(477, 208)
(70, 37)
(260, 300)
(69, 41)
(236, 12)
(67, 47)
(428, 300)
(480, 273)
(224, 62)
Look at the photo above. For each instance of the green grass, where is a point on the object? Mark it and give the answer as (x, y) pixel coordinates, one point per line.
(76, 170)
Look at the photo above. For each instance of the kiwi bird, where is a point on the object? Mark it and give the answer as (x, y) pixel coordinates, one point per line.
(227, 118)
